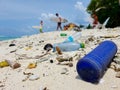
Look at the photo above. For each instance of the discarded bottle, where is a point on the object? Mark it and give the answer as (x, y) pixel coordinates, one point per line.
(92, 66)
(63, 34)
(73, 37)
(68, 46)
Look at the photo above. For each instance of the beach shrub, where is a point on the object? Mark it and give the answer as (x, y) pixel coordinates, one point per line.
(105, 9)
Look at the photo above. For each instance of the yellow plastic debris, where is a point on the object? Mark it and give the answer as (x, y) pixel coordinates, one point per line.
(32, 65)
(28, 48)
(4, 64)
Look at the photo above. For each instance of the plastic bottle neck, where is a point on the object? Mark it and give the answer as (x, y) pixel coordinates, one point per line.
(70, 39)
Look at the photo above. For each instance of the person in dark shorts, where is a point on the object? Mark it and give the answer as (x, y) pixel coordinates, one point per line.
(59, 22)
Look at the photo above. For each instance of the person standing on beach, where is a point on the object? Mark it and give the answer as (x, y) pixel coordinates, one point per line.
(59, 22)
(41, 26)
(95, 18)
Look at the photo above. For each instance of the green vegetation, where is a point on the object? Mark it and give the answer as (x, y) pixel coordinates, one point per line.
(105, 9)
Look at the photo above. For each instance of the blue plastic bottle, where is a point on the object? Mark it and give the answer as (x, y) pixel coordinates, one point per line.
(93, 65)
(68, 46)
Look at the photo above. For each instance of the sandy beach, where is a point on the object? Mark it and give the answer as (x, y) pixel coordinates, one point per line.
(48, 73)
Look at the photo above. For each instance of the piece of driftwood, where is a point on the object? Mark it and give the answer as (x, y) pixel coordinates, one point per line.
(110, 36)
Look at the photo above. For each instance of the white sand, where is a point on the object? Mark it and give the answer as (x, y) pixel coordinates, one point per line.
(50, 73)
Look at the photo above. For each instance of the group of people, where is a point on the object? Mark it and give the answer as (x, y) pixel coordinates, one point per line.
(58, 23)
(94, 16)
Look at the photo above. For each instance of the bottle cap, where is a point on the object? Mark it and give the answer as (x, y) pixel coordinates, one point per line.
(82, 45)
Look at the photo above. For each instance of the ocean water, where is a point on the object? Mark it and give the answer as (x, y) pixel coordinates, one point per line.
(7, 38)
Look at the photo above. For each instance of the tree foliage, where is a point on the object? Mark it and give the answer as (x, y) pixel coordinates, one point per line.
(105, 9)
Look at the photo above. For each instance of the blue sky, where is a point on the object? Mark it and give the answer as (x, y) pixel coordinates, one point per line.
(18, 16)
